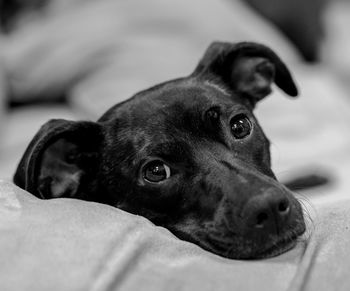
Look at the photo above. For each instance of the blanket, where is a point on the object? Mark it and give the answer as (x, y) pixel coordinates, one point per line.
(67, 244)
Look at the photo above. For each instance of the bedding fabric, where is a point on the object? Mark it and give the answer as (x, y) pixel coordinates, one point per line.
(67, 244)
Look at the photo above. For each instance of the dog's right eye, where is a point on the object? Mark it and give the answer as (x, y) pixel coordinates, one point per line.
(156, 171)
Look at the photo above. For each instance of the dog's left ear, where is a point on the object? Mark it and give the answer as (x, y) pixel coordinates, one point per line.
(247, 68)
(62, 160)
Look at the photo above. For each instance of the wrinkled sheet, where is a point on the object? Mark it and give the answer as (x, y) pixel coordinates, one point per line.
(67, 244)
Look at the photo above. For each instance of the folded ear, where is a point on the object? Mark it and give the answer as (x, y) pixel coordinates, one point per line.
(61, 160)
(247, 68)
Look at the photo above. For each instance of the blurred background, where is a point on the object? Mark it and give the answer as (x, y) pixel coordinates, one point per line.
(74, 59)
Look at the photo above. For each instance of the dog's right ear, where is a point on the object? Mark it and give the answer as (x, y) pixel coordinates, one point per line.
(61, 160)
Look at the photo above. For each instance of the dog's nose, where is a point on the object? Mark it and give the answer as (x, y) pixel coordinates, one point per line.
(268, 213)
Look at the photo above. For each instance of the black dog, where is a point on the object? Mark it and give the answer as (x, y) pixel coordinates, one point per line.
(187, 154)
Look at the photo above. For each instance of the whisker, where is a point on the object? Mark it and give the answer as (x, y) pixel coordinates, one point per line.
(307, 206)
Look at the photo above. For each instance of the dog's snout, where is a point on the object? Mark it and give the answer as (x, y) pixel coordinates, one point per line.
(268, 213)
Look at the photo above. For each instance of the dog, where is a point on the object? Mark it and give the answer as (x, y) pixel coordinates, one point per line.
(187, 154)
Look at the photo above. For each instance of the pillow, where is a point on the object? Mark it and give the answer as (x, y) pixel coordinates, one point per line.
(2, 96)
(113, 49)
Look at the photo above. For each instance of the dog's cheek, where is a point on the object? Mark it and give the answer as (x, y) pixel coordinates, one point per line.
(157, 203)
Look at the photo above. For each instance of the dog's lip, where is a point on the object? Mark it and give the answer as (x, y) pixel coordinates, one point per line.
(283, 244)
(277, 248)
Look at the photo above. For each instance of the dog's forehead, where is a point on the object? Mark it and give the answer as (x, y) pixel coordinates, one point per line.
(184, 96)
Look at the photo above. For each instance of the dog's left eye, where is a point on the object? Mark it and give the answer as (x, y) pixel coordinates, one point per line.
(240, 126)
(156, 171)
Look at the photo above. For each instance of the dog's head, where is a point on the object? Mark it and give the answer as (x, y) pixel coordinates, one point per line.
(187, 154)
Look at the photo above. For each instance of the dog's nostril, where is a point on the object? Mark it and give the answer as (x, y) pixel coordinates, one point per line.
(261, 218)
(283, 207)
